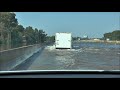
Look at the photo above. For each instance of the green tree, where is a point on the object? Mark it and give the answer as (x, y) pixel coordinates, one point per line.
(42, 36)
(108, 35)
(115, 35)
(8, 19)
(17, 35)
(10, 22)
(2, 30)
(50, 38)
(29, 34)
(20, 28)
(12, 33)
(36, 35)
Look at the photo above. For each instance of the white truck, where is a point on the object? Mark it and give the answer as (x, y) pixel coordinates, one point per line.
(63, 40)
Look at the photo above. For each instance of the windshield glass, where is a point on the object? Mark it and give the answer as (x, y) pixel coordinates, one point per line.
(59, 41)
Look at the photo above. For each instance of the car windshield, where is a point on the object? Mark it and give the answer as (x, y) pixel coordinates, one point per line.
(59, 41)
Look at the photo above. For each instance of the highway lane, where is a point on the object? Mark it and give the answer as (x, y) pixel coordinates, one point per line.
(74, 59)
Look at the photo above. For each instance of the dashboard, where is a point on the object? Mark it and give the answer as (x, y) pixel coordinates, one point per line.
(60, 74)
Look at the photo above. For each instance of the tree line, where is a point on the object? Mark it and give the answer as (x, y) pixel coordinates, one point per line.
(115, 35)
(11, 32)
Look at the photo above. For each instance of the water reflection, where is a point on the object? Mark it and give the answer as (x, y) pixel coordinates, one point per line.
(76, 45)
(95, 45)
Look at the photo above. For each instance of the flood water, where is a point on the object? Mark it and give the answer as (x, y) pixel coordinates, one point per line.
(83, 56)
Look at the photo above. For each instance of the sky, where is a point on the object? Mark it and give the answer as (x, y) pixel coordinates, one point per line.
(92, 24)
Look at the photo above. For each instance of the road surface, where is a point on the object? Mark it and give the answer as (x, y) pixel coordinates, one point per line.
(85, 58)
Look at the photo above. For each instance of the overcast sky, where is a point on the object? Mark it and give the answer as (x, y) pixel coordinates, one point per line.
(93, 24)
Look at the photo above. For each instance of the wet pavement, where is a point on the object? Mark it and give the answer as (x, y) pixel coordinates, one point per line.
(78, 58)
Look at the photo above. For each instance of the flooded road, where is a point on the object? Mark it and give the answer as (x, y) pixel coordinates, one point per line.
(83, 56)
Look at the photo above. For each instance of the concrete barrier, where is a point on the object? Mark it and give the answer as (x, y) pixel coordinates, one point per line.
(13, 57)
